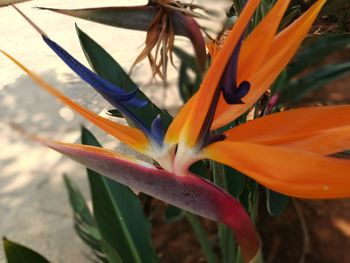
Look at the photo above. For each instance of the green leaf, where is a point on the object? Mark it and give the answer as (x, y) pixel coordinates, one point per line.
(119, 215)
(253, 199)
(105, 66)
(84, 222)
(289, 17)
(173, 214)
(332, 7)
(263, 9)
(133, 17)
(315, 49)
(276, 202)
(16, 253)
(235, 181)
(187, 85)
(115, 113)
(201, 237)
(227, 244)
(78, 202)
(187, 59)
(297, 89)
(226, 238)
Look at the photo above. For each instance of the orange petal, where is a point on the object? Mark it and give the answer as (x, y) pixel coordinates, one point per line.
(130, 136)
(321, 130)
(323, 142)
(173, 132)
(259, 41)
(280, 53)
(291, 172)
(198, 114)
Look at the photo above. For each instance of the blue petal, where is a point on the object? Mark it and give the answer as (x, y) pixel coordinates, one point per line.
(213, 138)
(239, 93)
(158, 131)
(112, 93)
(228, 81)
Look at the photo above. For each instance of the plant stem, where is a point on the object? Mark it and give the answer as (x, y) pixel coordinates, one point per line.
(201, 237)
(227, 241)
(306, 237)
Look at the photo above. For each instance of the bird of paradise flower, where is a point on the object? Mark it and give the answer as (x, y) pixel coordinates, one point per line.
(286, 151)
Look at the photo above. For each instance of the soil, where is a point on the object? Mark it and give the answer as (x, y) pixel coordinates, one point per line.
(307, 232)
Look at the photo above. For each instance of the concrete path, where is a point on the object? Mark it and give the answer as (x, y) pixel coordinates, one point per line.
(34, 208)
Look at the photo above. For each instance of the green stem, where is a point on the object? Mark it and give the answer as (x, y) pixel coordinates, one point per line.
(227, 241)
(201, 237)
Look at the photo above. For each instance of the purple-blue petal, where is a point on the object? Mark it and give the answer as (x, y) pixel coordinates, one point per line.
(158, 131)
(228, 81)
(112, 93)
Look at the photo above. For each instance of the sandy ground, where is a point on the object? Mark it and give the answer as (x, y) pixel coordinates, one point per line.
(34, 208)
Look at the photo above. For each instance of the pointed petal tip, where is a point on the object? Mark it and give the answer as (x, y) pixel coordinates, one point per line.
(291, 172)
(130, 136)
(37, 28)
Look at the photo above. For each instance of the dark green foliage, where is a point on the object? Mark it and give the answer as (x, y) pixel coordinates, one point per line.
(187, 84)
(16, 253)
(84, 222)
(315, 49)
(173, 214)
(276, 202)
(119, 216)
(297, 89)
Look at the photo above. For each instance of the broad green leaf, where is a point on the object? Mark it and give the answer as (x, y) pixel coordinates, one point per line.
(84, 222)
(276, 202)
(105, 66)
(119, 215)
(16, 253)
(297, 89)
(315, 49)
